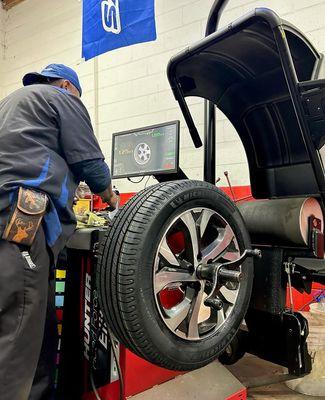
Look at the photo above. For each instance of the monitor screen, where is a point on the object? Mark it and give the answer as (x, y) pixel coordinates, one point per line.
(148, 151)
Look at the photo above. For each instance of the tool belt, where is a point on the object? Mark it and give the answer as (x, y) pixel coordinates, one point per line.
(26, 217)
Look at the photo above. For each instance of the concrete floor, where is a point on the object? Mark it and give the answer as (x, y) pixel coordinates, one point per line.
(251, 368)
(203, 384)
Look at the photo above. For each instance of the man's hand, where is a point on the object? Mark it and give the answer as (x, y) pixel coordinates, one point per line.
(110, 197)
(113, 201)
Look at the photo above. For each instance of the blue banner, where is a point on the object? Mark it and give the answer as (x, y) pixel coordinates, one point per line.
(110, 24)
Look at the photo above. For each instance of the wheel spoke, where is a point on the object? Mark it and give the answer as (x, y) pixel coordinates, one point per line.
(167, 254)
(193, 321)
(221, 317)
(231, 255)
(167, 277)
(218, 246)
(204, 220)
(190, 223)
(228, 295)
(178, 314)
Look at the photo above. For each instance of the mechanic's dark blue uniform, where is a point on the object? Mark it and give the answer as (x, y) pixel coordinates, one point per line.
(46, 143)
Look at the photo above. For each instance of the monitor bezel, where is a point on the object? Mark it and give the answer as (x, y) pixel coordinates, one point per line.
(151, 173)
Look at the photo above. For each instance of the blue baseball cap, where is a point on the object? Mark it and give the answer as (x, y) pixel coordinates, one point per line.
(53, 71)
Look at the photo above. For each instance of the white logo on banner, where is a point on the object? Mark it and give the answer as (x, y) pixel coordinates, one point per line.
(111, 18)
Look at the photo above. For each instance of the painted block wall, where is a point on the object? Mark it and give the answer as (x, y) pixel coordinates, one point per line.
(3, 15)
(131, 89)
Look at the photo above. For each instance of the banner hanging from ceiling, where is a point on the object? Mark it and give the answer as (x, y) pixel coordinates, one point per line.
(111, 24)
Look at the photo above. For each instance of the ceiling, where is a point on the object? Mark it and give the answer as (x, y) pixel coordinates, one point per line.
(10, 3)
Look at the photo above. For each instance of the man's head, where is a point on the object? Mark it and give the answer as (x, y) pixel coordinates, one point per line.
(57, 75)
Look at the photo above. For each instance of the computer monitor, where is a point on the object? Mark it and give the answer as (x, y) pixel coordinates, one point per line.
(152, 150)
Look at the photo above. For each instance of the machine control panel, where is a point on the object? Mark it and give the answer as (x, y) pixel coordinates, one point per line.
(152, 150)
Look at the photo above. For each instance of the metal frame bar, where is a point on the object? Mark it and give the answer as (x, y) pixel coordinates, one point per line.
(209, 108)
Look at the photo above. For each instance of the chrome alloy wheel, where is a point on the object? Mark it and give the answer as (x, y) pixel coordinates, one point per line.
(195, 237)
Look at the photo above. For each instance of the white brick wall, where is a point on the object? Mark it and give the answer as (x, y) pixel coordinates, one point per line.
(2, 44)
(133, 90)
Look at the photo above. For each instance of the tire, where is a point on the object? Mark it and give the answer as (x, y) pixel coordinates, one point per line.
(132, 263)
(235, 350)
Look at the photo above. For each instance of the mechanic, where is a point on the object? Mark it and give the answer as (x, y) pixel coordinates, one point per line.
(47, 146)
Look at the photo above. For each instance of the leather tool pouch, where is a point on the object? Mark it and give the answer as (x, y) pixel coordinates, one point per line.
(26, 217)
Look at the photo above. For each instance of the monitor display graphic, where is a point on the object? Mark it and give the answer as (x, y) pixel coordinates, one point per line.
(148, 151)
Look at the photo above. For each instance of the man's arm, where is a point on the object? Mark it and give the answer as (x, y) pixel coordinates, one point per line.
(97, 176)
(80, 146)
